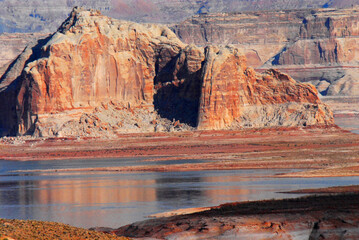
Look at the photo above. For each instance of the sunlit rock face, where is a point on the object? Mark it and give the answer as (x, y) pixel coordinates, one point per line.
(94, 63)
(235, 96)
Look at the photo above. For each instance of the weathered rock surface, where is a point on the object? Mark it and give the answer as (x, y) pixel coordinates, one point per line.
(327, 40)
(94, 61)
(234, 95)
(316, 46)
(47, 15)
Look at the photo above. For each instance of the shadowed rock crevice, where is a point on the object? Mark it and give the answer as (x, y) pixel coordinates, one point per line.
(178, 88)
(8, 119)
(15, 111)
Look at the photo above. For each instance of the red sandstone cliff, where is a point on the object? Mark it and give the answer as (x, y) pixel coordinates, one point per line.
(235, 96)
(95, 69)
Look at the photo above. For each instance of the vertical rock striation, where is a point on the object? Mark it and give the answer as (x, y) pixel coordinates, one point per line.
(93, 60)
(235, 96)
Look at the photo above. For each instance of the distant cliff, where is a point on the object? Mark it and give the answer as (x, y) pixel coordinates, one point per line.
(316, 46)
(97, 74)
(47, 15)
(12, 44)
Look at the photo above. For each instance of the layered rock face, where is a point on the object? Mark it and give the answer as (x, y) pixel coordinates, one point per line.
(47, 15)
(319, 46)
(261, 35)
(327, 41)
(97, 64)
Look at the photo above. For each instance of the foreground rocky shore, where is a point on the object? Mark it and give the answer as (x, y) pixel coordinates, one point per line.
(316, 152)
(313, 217)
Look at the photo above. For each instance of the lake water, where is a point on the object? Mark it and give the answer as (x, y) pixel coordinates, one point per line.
(89, 199)
(348, 122)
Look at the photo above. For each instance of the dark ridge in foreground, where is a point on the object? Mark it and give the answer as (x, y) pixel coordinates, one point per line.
(313, 217)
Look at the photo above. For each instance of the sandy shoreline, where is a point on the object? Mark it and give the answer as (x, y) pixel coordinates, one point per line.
(318, 152)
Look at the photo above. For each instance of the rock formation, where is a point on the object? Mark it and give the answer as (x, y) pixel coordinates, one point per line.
(316, 46)
(94, 65)
(327, 41)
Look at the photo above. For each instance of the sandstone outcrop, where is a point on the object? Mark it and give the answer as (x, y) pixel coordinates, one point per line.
(317, 46)
(234, 95)
(93, 63)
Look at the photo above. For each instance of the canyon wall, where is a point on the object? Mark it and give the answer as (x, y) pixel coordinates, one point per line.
(47, 15)
(261, 35)
(94, 69)
(316, 46)
(327, 49)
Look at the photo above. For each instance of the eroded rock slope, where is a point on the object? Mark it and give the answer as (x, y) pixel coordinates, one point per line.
(94, 68)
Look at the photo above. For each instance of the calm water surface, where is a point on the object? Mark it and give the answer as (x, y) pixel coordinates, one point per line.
(89, 199)
(348, 122)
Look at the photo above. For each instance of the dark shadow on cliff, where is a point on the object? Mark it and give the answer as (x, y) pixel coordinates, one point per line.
(10, 112)
(178, 92)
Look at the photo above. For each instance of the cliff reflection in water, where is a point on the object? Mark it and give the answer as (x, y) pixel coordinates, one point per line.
(95, 192)
(86, 200)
